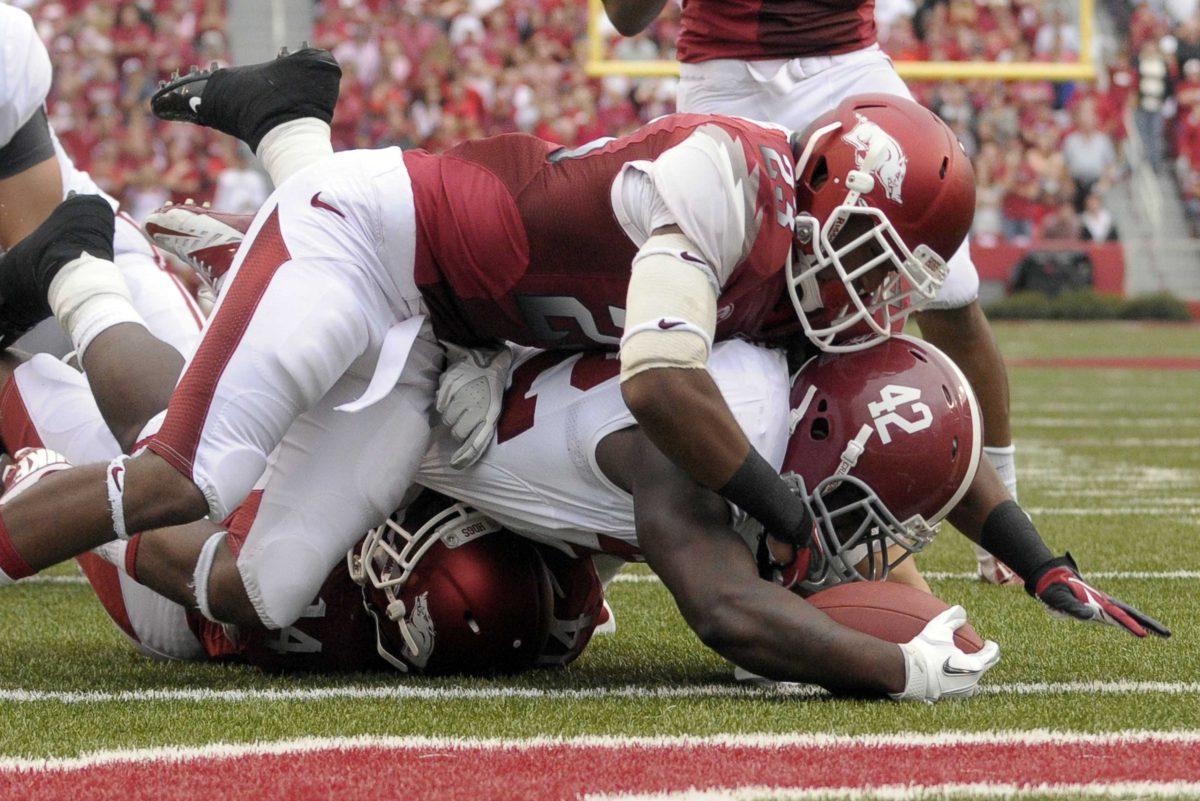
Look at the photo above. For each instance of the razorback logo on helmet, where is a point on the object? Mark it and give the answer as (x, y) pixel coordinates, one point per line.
(423, 632)
(879, 154)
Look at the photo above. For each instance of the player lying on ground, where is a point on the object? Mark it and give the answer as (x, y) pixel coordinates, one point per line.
(321, 352)
(789, 62)
(474, 594)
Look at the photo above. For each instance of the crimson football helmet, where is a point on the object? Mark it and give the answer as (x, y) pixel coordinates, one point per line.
(888, 175)
(886, 441)
(451, 591)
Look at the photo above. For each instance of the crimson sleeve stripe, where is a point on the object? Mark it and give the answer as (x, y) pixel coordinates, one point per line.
(179, 436)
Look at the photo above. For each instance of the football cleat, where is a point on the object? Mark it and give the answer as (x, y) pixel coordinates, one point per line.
(606, 623)
(204, 239)
(29, 466)
(247, 102)
(993, 571)
(78, 224)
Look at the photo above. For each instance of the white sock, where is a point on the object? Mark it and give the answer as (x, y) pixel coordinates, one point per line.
(292, 146)
(1004, 459)
(89, 296)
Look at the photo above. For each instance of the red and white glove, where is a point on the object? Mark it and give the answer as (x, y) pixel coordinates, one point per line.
(936, 668)
(1059, 586)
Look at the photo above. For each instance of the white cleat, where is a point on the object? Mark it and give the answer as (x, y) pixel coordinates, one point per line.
(29, 466)
(204, 239)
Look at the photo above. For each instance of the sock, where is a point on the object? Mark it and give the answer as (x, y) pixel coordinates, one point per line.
(1004, 459)
(89, 296)
(12, 565)
(292, 146)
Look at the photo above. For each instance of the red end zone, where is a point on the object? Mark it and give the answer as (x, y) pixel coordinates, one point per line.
(545, 769)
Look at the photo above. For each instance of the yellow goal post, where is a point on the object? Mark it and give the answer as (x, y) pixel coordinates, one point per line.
(1082, 70)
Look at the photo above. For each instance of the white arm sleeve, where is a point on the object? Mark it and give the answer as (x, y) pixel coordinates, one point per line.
(670, 308)
(703, 185)
(24, 71)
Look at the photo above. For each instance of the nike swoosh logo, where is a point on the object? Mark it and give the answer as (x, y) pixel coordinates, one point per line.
(117, 473)
(949, 670)
(195, 104)
(664, 325)
(317, 203)
(154, 229)
(683, 254)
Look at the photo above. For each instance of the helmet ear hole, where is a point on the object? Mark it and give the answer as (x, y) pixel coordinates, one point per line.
(819, 174)
(823, 405)
(819, 429)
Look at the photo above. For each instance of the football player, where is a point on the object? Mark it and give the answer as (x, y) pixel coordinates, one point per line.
(788, 63)
(477, 590)
(35, 176)
(657, 243)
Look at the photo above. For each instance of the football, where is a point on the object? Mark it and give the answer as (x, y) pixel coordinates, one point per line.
(889, 611)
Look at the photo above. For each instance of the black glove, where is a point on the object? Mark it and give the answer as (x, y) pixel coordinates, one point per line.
(1058, 585)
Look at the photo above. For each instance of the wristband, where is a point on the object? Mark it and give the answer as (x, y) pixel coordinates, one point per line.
(1010, 536)
(759, 491)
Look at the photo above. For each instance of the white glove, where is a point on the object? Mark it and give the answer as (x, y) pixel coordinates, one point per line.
(936, 668)
(469, 398)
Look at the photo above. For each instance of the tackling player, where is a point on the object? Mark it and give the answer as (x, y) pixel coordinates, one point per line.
(788, 63)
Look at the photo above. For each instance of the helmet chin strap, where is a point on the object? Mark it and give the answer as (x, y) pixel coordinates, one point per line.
(854, 449)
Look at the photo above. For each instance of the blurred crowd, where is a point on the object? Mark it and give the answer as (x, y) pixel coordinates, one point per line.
(429, 73)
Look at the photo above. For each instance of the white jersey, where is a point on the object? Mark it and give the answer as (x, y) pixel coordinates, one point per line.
(24, 71)
(540, 478)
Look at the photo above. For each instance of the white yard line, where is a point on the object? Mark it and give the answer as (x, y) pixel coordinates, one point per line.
(302, 745)
(390, 692)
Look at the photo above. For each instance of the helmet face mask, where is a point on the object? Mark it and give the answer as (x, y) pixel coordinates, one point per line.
(856, 534)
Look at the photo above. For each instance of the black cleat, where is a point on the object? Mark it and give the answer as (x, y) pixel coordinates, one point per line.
(247, 102)
(80, 223)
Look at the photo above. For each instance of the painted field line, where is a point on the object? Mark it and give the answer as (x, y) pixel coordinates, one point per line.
(639, 692)
(765, 741)
(931, 792)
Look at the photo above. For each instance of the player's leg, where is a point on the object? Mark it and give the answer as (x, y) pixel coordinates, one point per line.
(312, 511)
(281, 108)
(278, 341)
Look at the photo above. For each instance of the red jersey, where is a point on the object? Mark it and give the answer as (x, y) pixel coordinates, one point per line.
(520, 240)
(753, 30)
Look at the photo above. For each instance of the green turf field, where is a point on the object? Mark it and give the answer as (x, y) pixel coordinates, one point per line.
(1109, 464)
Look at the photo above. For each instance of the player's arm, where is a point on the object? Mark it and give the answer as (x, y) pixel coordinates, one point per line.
(631, 17)
(670, 319)
(683, 530)
(30, 180)
(988, 515)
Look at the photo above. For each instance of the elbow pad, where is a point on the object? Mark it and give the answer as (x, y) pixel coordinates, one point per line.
(670, 309)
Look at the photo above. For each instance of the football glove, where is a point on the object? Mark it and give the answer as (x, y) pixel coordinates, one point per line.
(470, 396)
(1059, 586)
(936, 668)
